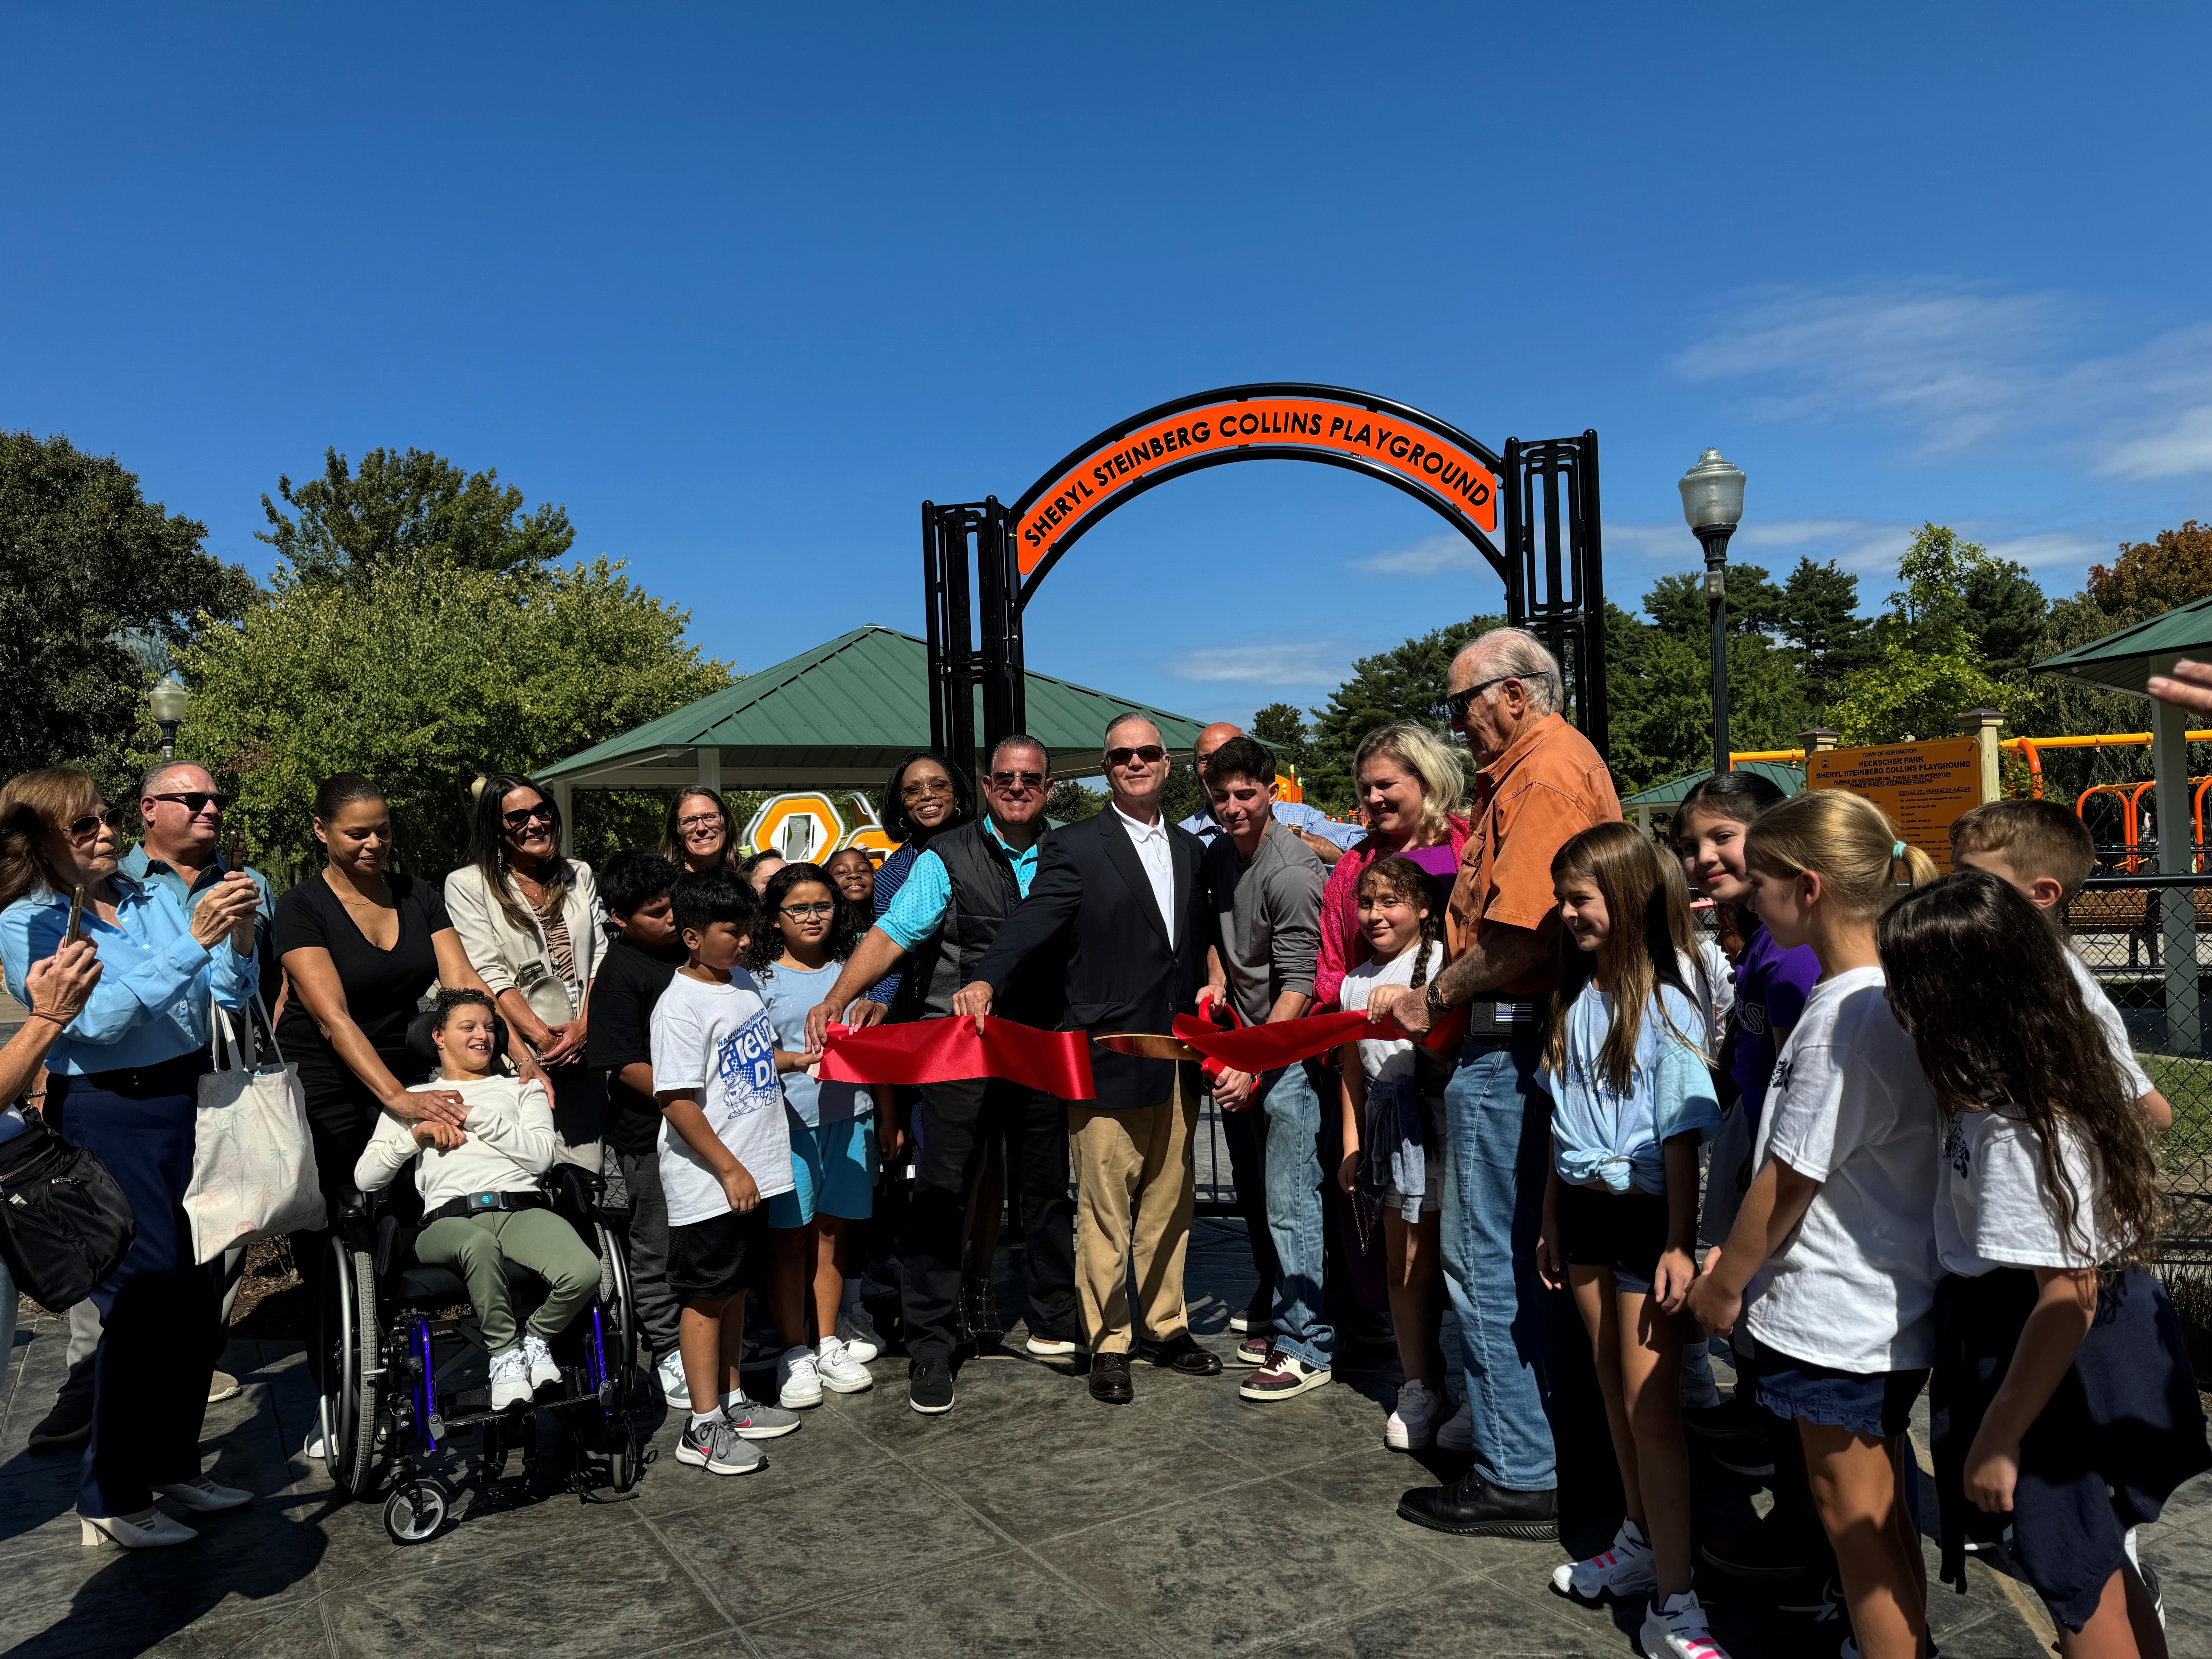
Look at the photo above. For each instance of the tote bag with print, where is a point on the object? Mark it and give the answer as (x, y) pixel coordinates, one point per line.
(253, 1160)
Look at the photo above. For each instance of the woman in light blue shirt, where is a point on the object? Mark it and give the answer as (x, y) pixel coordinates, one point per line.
(123, 1082)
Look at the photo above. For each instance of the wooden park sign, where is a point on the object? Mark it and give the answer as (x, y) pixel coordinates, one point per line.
(1923, 786)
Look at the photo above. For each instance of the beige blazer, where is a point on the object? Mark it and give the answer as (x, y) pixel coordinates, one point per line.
(512, 960)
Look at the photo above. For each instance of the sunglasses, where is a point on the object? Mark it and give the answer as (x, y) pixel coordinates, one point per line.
(922, 788)
(1149, 753)
(807, 912)
(1459, 702)
(1019, 780)
(541, 813)
(192, 801)
(90, 824)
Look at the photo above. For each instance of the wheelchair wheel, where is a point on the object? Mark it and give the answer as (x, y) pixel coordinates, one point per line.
(620, 1307)
(416, 1510)
(352, 1371)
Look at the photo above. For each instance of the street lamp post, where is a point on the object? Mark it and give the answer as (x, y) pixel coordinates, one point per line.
(1712, 501)
(168, 700)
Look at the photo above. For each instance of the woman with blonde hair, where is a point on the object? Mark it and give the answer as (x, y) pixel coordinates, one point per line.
(122, 1083)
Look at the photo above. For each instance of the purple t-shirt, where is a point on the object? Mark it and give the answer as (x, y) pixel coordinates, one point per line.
(1440, 862)
(1770, 987)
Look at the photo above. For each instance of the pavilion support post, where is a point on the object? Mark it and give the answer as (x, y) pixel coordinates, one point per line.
(710, 767)
(564, 798)
(2169, 755)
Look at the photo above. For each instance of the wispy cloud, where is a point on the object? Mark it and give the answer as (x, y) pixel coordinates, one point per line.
(1435, 556)
(1296, 662)
(1862, 544)
(1960, 367)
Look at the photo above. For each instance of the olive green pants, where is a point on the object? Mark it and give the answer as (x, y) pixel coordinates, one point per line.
(479, 1247)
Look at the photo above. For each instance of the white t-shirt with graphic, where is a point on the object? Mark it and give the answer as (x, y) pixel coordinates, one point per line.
(1993, 1208)
(1854, 1286)
(716, 1040)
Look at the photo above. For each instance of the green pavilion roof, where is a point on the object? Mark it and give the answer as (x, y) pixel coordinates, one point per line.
(2124, 661)
(844, 712)
(1790, 780)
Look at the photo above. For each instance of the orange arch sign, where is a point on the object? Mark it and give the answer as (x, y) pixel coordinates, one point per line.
(1443, 467)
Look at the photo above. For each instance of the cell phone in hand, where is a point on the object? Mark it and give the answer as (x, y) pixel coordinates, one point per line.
(76, 916)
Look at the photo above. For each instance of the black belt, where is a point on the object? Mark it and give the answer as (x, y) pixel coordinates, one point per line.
(487, 1203)
(179, 1076)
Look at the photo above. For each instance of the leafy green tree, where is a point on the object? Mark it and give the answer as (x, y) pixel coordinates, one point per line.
(398, 507)
(1407, 681)
(424, 674)
(1822, 626)
(1918, 691)
(96, 583)
(1282, 727)
(1955, 587)
(1070, 802)
(1661, 703)
(1677, 602)
(2149, 578)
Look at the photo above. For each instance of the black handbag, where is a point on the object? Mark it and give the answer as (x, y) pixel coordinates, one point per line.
(64, 1225)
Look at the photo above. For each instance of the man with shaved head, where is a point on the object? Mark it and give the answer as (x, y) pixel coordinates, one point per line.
(1539, 785)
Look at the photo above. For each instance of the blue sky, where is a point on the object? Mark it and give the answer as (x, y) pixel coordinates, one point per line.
(741, 288)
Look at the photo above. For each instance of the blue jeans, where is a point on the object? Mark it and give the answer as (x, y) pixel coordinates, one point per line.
(1290, 1108)
(1496, 1124)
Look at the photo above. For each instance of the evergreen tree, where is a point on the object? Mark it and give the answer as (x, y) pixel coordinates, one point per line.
(399, 507)
(1820, 625)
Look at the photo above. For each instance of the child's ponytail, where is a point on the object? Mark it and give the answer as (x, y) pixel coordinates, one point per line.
(1846, 840)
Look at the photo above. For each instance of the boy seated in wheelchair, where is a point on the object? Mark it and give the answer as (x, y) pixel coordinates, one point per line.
(481, 1203)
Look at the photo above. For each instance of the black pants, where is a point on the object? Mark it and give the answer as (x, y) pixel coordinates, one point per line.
(956, 1121)
(1246, 1133)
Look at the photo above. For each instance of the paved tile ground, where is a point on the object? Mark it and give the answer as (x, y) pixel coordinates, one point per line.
(1029, 1520)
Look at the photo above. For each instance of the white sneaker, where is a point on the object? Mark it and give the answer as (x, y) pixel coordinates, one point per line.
(541, 1368)
(205, 1496)
(840, 1371)
(675, 1392)
(856, 1329)
(1674, 1628)
(151, 1531)
(312, 1446)
(797, 1382)
(1413, 1425)
(1456, 1432)
(510, 1379)
(1625, 1569)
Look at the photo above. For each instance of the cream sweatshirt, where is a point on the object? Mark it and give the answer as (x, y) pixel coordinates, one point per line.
(510, 1143)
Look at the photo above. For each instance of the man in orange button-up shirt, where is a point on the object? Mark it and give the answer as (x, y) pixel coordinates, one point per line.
(1541, 785)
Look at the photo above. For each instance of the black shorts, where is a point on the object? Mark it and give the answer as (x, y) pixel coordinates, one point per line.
(723, 1255)
(1625, 1231)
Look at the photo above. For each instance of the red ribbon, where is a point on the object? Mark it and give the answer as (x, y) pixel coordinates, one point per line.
(1257, 1048)
(950, 1051)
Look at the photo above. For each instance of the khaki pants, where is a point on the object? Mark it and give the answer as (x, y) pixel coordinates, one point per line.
(1135, 1193)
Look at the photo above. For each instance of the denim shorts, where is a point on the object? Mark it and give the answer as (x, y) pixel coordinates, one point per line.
(834, 1168)
(1878, 1403)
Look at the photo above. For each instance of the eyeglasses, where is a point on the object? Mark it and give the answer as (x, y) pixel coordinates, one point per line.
(807, 912)
(85, 828)
(1019, 780)
(704, 821)
(1459, 702)
(1149, 753)
(523, 817)
(922, 788)
(192, 801)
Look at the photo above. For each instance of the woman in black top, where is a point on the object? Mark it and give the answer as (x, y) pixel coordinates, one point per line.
(360, 946)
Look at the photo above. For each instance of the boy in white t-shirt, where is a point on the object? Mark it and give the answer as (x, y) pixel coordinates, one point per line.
(2039, 849)
(724, 1152)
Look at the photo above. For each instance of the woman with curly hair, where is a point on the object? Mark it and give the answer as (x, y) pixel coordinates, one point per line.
(793, 956)
(2062, 1397)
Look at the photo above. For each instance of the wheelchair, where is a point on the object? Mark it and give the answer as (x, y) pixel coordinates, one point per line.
(401, 1382)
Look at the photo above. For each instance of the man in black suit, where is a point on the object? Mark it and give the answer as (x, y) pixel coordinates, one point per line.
(1126, 889)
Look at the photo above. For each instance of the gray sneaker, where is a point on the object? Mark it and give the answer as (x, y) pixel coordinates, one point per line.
(715, 1446)
(757, 1421)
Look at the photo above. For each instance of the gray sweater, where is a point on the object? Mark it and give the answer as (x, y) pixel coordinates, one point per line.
(1270, 913)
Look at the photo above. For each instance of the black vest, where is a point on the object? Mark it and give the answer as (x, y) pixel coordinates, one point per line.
(984, 893)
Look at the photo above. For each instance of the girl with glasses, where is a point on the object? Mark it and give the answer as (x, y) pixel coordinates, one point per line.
(794, 957)
(534, 928)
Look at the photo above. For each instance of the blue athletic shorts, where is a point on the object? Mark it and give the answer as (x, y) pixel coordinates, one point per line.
(1878, 1403)
(835, 1169)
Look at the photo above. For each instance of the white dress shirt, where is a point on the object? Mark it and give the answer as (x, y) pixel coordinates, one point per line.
(1157, 856)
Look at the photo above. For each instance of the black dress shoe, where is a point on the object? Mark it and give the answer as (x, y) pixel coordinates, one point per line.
(1471, 1507)
(1180, 1354)
(70, 1424)
(1110, 1379)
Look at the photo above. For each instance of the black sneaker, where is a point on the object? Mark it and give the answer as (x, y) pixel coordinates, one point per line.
(70, 1424)
(1760, 1554)
(1471, 1507)
(929, 1387)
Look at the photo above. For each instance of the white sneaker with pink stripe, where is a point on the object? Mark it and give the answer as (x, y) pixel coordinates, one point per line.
(1624, 1570)
(1674, 1627)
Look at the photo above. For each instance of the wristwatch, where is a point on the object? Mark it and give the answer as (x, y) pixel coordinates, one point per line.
(1438, 1007)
